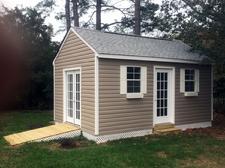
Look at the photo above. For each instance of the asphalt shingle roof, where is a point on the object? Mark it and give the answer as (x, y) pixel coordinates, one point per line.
(131, 45)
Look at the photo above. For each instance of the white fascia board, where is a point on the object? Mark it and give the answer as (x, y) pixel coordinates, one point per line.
(66, 36)
(144, 58)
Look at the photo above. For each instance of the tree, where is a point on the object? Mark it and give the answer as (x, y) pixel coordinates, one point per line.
(75, 13)
(98, 14)
(137, 17)
(140, 19)
(67, 14)
(201, 24)
(28, 54)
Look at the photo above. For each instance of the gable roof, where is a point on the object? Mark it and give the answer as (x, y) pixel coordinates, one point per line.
(137, 46)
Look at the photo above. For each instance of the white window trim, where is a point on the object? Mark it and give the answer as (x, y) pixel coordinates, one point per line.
(196, 82)
(123, 82)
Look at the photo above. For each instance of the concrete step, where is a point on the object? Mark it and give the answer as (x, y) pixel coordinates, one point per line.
(167, 131)
(163, 126)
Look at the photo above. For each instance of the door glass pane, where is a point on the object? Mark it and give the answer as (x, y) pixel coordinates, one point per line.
(70, 97)
(77, 96)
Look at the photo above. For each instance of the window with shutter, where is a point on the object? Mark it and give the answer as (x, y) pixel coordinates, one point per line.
(133, 81)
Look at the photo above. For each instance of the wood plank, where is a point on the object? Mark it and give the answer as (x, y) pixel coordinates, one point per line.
(36, 134)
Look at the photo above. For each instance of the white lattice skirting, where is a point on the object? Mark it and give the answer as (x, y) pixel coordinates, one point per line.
(105, 138)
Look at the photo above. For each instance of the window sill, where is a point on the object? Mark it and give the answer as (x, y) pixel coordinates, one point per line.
(135, 95)
(191, 94)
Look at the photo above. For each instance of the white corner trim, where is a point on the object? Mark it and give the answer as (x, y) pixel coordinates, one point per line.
(145, 58)
(54, 93)
(89, 136)
(212, 81)
(195, 125)
(96, 95)
(105, 138)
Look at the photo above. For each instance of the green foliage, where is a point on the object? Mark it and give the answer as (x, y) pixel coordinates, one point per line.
(169, 151)
(149, 18)
(34, 36)
(201, 24)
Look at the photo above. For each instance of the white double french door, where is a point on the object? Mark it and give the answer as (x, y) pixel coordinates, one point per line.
(163, 95)
(73, 97)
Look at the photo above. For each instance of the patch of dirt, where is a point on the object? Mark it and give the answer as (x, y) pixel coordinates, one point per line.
(200, 162)
(162, 154)
(217, 130)
(34, 126)
(4, 156)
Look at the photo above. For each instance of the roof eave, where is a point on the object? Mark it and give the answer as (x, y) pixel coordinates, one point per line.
(144, 58)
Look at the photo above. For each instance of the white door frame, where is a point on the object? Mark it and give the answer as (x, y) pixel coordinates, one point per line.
(75, 71)
(171, 95)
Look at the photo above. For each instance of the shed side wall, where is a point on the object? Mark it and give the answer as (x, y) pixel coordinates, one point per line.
(118, 115)
(75, 54)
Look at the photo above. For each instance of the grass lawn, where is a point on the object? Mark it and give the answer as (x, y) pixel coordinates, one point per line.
(183, 150)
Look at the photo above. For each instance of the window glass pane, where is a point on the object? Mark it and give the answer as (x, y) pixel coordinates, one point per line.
(137, 70)
(136, 89)
(158, 112)
(158, 76)
(189, 80)
(133, 79)
(189, 74)
(130, 69)
(137, 76)
(162, 76)
(130, 75)
(189, 86)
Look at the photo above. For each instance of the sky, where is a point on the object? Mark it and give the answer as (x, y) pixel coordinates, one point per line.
(108, 17)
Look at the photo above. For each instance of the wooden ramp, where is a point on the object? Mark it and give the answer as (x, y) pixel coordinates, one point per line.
(40, 133)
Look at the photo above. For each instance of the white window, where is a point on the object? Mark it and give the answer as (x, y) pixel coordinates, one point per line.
(133, 81)
(189, 82)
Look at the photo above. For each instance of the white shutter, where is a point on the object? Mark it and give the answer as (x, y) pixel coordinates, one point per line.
(197, 81)
(182, 80)
(144, 80)
(123, 79)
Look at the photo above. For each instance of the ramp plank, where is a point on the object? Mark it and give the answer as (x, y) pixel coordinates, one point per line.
(36, 134)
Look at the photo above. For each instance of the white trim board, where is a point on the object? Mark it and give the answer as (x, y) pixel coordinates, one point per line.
(144, 58)
(195, 125)
(96, 95)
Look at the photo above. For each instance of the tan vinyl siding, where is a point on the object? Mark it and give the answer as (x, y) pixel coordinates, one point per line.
(74, 54)
(118, 115)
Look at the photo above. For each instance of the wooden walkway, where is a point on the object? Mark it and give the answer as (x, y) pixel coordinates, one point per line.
(40, 133)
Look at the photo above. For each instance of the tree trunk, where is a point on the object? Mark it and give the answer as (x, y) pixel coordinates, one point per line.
(98, 14)
(67, 11)
(137, 18)
(75, 13)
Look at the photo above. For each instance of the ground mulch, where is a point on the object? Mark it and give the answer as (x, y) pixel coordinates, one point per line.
(217, 130)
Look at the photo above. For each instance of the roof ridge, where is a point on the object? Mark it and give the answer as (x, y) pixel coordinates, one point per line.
(123, 34)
